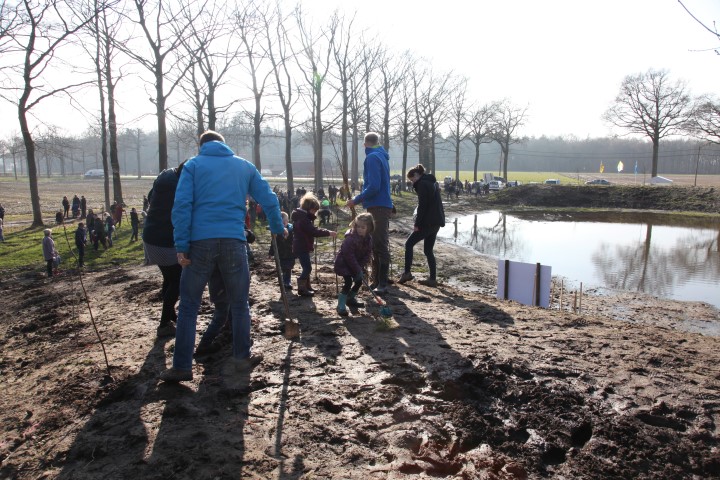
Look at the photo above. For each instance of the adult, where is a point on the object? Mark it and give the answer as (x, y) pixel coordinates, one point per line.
(429, 219)
(160, 246)
(83, 207)
(375, 197)
(210, 233)
(66, 207)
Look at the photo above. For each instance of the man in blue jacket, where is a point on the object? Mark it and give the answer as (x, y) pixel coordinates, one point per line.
(209, 230)
(375, 197)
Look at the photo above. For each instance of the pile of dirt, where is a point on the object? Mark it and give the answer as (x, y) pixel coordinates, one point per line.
(676, 198)
(465, 385)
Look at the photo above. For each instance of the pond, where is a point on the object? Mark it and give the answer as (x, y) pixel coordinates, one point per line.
(668, 256)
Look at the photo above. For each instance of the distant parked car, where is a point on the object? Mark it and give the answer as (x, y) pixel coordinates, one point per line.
(95, 173)
(552, 181)
(496, 185)
(598, 181)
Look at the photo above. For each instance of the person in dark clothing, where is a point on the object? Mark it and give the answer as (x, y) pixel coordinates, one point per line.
(99, 235)
(429, 219)
(135, 224)
(66, 207)
(160, 245)
(83, 207)
(284, 244)
(59, 217)
(80, 242)
(75, 206)
(304, 233)
(353, 257)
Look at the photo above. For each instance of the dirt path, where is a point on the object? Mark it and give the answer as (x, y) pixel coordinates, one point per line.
(466, 386)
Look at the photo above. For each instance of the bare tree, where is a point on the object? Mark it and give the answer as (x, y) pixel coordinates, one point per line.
(250, 19)
(314, 62)
(705, 119)
(346, 70)
(713, 30)
(279, 53)
(430, 97)
(651, 104)
(212, 54)
(480, 123)
(506, 121)
(163, 31)
(390, 72)
(404, 120)
(458, 123)
(42, 29)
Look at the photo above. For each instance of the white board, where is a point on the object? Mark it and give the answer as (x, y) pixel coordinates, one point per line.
(521, 286)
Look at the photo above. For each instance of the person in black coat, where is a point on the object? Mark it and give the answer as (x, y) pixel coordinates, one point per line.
(429, 219)
(159, 244)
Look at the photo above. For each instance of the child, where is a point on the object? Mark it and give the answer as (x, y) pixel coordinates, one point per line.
(49, 252)
(134, 223)
(353, 257)
(110, 227)
(80, 242)
(304, 233)
(284, 244)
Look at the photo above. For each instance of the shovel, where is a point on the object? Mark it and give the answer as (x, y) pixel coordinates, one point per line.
(385, 311)
(292, 328)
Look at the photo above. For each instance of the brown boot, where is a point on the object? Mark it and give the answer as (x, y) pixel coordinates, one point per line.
(304, 287)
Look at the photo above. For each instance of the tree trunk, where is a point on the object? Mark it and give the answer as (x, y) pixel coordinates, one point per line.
(32, 167)
(256, 133)
(288, 153)
(656, 150)
(161, 119)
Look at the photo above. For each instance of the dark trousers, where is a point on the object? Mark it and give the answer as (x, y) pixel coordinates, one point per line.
(429, 235)
(170, 292)
(49, 267)
(348, 282)
(306, 264)
(81, 255)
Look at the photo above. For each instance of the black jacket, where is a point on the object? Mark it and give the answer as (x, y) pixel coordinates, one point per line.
(158, 228)
(430, 212)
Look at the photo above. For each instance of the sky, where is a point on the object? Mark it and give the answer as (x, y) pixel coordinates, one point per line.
(563, 59)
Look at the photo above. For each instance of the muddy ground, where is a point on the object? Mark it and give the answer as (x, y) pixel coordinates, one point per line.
(463, 386)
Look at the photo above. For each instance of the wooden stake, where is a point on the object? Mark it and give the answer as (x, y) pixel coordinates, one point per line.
(580, 306)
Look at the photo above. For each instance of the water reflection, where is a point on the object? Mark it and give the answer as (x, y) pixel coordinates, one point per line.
(668, 256)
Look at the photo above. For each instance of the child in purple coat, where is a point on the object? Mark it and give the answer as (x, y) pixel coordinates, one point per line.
(353, 257)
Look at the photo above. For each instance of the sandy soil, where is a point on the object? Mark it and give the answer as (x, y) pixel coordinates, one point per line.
(464, 385)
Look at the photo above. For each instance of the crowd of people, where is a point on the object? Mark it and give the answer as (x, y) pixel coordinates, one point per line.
(198, 220)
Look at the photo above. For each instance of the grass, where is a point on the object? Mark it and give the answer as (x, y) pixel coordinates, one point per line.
(22, 249)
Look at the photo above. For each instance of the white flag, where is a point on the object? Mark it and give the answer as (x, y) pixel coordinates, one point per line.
(620, 166)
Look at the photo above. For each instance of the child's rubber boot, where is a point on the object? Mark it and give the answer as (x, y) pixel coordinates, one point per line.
(341, 310)
(303, 287)
(352, 300)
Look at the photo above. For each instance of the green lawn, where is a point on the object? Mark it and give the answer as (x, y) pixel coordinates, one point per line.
(22, 249)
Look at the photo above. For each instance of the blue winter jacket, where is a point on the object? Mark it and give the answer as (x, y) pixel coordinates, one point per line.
(376, 179)
(211, 193)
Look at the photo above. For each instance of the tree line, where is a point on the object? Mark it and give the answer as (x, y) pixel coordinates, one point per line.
(236, 67)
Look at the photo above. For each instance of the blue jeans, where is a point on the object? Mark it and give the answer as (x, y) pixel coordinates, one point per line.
(221, 314)
(229, 256)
